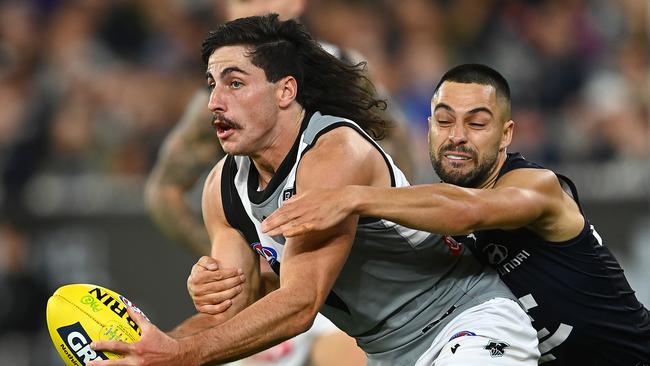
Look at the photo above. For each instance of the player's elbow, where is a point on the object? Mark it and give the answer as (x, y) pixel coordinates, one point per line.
(305, 311)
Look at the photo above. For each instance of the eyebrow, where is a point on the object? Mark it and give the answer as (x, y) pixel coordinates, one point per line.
(443, 106)
(226, 71)
(473, 111)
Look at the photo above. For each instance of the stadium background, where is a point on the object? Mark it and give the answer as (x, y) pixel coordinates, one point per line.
(88, 90)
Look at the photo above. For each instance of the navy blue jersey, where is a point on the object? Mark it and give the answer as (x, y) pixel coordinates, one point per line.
(575, 291)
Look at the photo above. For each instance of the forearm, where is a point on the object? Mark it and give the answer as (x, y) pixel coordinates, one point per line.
(278, 316)
(437, 208)
(195, 324)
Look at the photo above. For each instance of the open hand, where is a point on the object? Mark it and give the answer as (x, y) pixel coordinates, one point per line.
(309, 211)
(155, 348)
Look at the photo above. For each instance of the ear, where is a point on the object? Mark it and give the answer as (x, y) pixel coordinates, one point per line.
(286, 91)
(506, 136)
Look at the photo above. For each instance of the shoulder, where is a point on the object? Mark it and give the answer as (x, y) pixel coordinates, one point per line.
(212, 184)
(543, 181)
(343, 156)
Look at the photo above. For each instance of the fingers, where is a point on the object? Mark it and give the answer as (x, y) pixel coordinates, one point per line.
(118, 347)
(291, 229)
(207, 262)
(113, 362)
(298, 230)
(216, 302)
(138, 317)
(214, 309)
(273, 224)
(212, 290)
(208, 282)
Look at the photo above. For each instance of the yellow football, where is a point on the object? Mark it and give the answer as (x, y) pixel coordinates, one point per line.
(81, 313)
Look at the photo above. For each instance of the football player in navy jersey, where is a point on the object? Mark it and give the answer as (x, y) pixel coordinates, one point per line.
(522, 219)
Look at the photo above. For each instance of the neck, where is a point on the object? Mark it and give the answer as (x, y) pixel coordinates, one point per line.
(283, 136)
(492, 178)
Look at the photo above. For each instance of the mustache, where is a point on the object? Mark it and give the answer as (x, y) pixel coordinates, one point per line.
(224, 121)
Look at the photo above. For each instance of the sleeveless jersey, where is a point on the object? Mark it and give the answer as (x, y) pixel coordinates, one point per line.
(575, 291)
(398, 287)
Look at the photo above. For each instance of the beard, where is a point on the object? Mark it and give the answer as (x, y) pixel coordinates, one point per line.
(474, 177)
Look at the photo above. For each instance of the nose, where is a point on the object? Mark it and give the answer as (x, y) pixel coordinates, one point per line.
(216, 103)
(457, 134)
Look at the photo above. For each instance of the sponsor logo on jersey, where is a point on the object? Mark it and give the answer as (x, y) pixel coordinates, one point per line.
(496, 348)
(495, 253)
(455, 247)
(267, 252)
(512, 264)
(454, 348)
(77, 340)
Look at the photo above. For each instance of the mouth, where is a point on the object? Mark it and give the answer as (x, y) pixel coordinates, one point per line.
(223, 127)
(457, 156)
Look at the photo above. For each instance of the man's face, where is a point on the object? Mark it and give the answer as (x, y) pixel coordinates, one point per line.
(243, 102)
(466, 133)
(287, 9)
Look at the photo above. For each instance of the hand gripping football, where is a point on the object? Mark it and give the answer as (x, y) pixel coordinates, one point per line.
(79, 314)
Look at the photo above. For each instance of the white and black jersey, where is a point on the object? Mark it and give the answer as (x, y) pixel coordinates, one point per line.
(575, 292)
(398, 287)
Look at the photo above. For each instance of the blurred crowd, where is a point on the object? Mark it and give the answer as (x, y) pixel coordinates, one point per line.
(89, 89)
(92, 86)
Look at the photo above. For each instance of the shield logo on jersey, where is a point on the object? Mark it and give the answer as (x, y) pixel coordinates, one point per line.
(288, 193)
(267, 253)
(495, 253)
(496, 348)
(454, 247)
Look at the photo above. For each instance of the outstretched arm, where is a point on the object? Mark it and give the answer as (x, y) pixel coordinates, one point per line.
(530, 198)
(187, 153)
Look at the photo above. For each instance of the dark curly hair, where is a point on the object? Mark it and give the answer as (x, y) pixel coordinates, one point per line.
(325, 83)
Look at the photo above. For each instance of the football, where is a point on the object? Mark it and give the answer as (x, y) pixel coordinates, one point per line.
(81, 313)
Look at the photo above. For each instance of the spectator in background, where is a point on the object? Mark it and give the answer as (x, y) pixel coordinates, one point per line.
(23, 296)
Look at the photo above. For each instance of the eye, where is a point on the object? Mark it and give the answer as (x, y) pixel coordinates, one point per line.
(444, 122)
(236, 84)
(210, 87)
(476, 125)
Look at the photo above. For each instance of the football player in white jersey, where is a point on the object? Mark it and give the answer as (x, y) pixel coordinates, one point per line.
(293, 118)
(188, 152)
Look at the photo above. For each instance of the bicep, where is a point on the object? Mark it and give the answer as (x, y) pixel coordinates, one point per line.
(521, 198)
(315, 259)
(228, 246)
